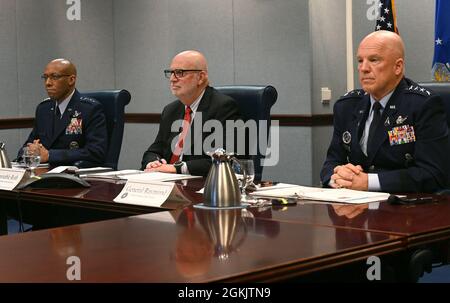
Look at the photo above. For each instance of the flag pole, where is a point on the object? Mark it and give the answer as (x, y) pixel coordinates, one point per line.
(349, 40)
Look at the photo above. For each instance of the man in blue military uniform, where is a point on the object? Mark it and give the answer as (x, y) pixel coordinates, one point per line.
(68, 127)
(392, 135)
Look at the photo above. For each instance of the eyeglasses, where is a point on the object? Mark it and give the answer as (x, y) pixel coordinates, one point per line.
(179, 73)
(53, 77)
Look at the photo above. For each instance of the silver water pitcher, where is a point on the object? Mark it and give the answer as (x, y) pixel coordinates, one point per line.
(221, 185)
(4, 160)
(227, 230)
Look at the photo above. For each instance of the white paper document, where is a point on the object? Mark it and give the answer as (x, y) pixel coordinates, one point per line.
(10, 177)
(60, 169)
(341, 195)
(157, 176)
(139, 175)
(115, 175)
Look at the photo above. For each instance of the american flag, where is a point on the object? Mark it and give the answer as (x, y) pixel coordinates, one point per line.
(387, 18)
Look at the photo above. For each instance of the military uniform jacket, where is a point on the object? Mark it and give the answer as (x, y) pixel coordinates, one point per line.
(410, 144)
(212, 106)
(80, 134)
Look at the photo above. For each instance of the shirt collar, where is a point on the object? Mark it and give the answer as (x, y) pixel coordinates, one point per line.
(195, 104)
(383, 101)
(63, 105)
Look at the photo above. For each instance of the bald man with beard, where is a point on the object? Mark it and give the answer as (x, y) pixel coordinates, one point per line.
(189, 82)
(68, 127)
(392, 134)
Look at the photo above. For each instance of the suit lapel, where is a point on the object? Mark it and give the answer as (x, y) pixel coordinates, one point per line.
(177, 117)
(360, 115)
(199, 119)
(47, 120)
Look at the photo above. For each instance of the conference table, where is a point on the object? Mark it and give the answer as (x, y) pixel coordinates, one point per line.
(182, 242)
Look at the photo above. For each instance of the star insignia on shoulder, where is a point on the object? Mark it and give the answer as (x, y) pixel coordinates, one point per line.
(46, 100)
(355, 93)
(418, 89)
(88, 100)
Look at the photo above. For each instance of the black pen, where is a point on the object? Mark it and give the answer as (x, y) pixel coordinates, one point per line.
(159, 159)
(421, 200)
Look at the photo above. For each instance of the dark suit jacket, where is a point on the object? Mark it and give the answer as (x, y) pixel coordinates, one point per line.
(212, 106)
(419, 166)
(69, 142)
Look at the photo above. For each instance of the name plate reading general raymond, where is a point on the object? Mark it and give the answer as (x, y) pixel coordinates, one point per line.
(10, 177)
(149, 193)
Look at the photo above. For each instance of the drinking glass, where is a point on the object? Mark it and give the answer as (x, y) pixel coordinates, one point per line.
(239, 168)
(31, 159)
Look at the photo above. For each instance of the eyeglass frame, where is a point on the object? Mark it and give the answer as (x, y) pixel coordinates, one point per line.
(169, 72)
(53, 77)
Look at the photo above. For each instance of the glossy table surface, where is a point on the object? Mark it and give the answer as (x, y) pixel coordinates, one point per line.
(255, 244)
(101, 195)
(416, 221)
(180, 246)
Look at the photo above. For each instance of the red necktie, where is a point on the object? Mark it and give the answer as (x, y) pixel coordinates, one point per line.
(179, 146)
(190, 216)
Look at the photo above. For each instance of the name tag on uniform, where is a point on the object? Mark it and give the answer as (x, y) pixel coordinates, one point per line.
(401, 135)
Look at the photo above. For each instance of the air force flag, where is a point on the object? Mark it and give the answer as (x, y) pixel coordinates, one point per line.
(441, 60)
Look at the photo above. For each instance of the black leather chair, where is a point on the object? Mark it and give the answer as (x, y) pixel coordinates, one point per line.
(255, 103)
(443, 89)
(114, 102)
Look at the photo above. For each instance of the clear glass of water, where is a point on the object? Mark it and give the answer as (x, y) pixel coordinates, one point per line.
(31, 159)
(239, 168)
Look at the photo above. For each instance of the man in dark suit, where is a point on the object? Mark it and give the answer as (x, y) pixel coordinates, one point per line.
(182, 140)
(392, 135)
(68, 127)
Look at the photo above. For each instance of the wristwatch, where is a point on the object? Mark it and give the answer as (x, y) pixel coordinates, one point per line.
(178, 166)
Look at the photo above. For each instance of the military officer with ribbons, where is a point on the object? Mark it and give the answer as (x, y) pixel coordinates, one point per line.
(392, 134)
(68, 127)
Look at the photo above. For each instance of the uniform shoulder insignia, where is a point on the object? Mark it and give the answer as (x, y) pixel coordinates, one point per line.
(417, 89)
(45, 100)
(356, 93)
(88, 100)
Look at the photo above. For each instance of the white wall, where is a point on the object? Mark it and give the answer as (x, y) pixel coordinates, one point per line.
(296, 46)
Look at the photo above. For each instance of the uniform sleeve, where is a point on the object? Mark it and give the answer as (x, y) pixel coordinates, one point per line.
(336, 154)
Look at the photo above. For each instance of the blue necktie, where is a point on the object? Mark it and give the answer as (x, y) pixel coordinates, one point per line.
(373, 125)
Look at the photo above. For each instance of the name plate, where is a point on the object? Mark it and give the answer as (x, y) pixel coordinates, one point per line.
(10, 177)
(145, 193)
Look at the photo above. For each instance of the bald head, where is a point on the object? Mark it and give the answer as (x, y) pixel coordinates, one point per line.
(194, 59)
(380, 63)
(193, 79)
(64, 65)
(389, 40)
(60, 77)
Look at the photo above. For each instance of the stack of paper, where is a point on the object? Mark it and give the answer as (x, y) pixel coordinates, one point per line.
(341, 195)
(141, 176)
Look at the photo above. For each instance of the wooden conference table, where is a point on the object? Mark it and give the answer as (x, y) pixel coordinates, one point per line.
(183, 243)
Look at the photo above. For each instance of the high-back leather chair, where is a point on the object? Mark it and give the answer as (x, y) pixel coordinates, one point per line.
(255, 103)
(443, 89)
(114, 102)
